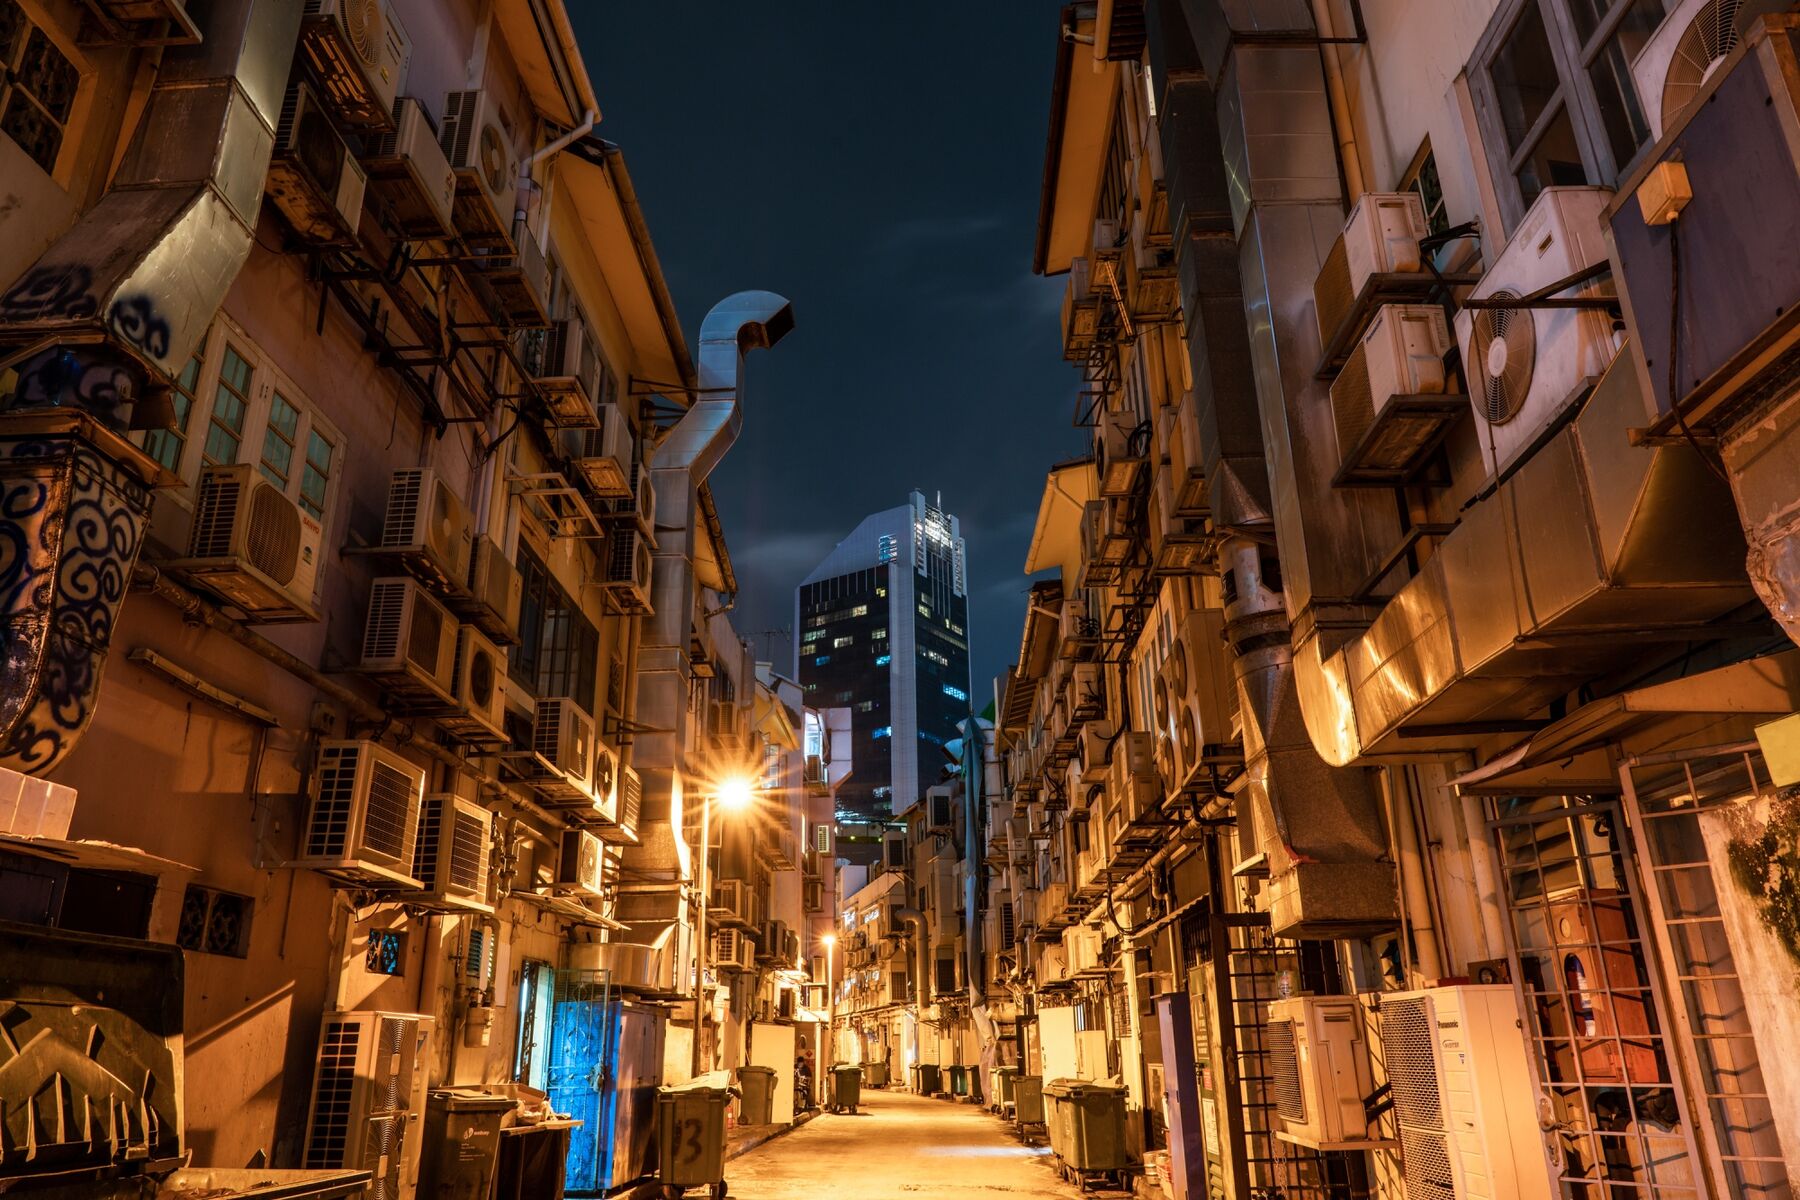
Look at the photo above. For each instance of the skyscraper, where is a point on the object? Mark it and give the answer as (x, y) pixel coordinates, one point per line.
(882, 627)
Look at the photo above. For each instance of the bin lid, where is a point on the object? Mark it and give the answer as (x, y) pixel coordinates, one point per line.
(1079, 1087)
(712, 1081)
(742, 1071)
(842, 1067)
(1006, 1069)
(467, 1100)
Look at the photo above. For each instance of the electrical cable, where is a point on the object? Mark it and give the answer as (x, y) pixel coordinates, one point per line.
(1674, 352)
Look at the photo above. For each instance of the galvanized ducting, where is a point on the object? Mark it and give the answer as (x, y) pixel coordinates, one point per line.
(740, 322)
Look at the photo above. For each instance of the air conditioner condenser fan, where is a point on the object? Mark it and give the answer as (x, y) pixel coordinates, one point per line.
(1503, 352)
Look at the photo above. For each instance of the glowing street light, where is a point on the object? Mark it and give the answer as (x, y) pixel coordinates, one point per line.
(734, 794)
(829, 1058)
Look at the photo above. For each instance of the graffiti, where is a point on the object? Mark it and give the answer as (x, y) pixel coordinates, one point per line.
(71, 526)
(136, 322)
(51, 293)
(61, 377)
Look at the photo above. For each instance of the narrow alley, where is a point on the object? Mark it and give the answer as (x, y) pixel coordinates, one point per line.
(897, 1144)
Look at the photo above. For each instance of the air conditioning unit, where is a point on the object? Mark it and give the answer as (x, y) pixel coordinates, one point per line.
(625, 563)
(368, 1098)
(1078, 627)
(1091, 751)
(1080, 312)
(1086, 693)
(1124, 450)
(450, 853)
(728, 903)
(1400, 354)
(940, 810)
(1106, 543)
(364, 816)
(631, 808)
(639, 501)
(893, 851)
(1194, 696)
(563, 736)
(1693, 39)
(1109, 242)
(565, 365)
(580, 864)
(1525, 365)
(733, 950)
(359, 51)
(1380, 238)
(515, 281)
(1321, 1071)
(408, 171)
(1081, 949)
(428, 524)
(477, 685)
(602, 456)
(1463, 1094)
(409, 642)
(476, 139)
(774, 941)
(313, 178)
(252, 546)
(496, 590)
(1133, 783)
(605, 808)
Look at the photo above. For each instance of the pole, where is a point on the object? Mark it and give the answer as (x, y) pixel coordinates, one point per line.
(830, 1055)
(700, 943)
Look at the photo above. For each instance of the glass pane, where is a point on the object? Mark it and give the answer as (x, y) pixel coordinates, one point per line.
(1524, 75)
(1555, 161)
(284, 418)
(221, 446)
(312, 490)
(235, 372)
(318, 452)
(48, 76)
(1620, 112)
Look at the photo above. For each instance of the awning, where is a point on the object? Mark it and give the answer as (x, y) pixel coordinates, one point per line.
(1570, 754)
(811, 1016)
(544, 51)
(1043, 628)
(1081, 106)
(96, 856)
(1056, 538)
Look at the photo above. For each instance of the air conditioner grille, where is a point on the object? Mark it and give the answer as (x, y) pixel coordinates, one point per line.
(215, 515)
(1425, 1158)
(425, 850)
(631, 800)
(1710, 36)
(1331, 291)
(387, 614)
(425, 640)
(328, 1140)
(1406, 1040)
(483, 678)
(399, 526)
(468, 854)
(390, 1081)
(385, 828)
(362, 21)
(381, 1145)
(1504, 350)
(1352, 401)
(273, 545)
(1284, 1063)
(329, 829)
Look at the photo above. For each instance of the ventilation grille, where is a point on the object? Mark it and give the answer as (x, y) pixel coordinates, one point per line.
(388, 828)
(387, 619)
(624, 550)
(273, 544)
(392, 1066)
(400, 526)
(1713, 34)
(1425, 1158)
(1352, 401)
(334, 1092)
(425, 852)
(1008, 925)
(328, 832)
(1284, 1065)
(468, 854)
(382, 1145)
(1504, 350)
(1406, 1042)
(631, 799)
(458, 131)
(215, 515)
(1331, 291)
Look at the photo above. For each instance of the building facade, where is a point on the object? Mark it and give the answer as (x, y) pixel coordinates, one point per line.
(367, 643)
(882, 629)
(1395, 784)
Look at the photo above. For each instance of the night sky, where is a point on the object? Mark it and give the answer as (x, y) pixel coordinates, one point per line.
(878, 165)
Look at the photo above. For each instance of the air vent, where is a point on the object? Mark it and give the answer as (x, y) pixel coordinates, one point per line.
(334, 1089)
(1284, 1060)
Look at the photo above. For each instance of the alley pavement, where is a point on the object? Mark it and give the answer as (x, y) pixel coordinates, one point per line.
(896, 1146)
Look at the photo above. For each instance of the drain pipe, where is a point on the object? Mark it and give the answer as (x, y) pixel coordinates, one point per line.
(921, 955)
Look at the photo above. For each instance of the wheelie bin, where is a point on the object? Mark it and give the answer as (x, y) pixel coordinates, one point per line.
(690, 1135)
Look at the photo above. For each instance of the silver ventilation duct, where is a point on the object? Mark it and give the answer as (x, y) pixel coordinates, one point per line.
(740, 322)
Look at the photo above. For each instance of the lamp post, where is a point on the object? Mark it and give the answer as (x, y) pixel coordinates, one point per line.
(829, 941)
(735, 795)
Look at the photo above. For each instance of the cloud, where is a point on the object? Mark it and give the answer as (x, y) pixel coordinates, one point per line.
(913, 234)
(791, 552)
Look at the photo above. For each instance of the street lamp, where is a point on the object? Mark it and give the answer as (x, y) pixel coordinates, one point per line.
(734, 795)
(829, 941)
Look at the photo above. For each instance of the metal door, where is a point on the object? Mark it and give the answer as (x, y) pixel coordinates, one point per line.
(583, 1052)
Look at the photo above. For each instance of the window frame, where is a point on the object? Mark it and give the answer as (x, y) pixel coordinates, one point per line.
(74, 126)
(1574, 94)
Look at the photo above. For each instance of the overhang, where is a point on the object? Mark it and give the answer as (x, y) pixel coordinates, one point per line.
(1081, 106)
(548, 60)
(1571, 755)
(1056, 538)
(598, 185)
(1038, 642)
(712, 560)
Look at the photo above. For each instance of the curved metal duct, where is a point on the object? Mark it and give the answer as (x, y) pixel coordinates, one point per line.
(686, 456)
(921, 955)
(117, 303)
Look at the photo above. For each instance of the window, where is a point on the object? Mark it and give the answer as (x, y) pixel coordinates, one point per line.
(878, 635)
(883, 732)
(254, 414)
(37, 87)
(1422, 177)
(821, 660)
(1552, 85)
(822, 838)
(531, 1065)
(861, 610)
(883, 660)
(386, 954)
(214, 922)
(954, 692)
(840, 642)
(558, 652)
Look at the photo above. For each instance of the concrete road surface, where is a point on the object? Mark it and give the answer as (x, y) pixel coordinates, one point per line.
(897, 1147)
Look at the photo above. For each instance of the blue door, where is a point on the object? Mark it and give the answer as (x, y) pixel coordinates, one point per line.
(584, 1048)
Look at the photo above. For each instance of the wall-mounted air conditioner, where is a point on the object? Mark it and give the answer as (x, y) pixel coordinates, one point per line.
(1693, 39)
(1400, 354)
(893, 851)
(252, 546)
(359, 51)
(601, 456)
(450, 853)
(1524, 365)
(409, 642)
(625, 562)
(1133, 784)
(580, 864)
(1092, 750)
(1124, 447)
(563, 735)
(566, 368)
(364, 816)
(368, 1097)
(1086, 692)
(1380, 238)
(631, 808)
(1078, 626)
(1194, 697)
(408, 171)
(495, 589)
(639, 501)
(1463, 1094)
(476, 139)
(1321, 1071)
(729, 904)
(478, 689)
(605, 808)
(1081, 949)
(515, 281)
(733, 950)
(940, 810)
(428, 523)
(1080, 311)
(313, 178)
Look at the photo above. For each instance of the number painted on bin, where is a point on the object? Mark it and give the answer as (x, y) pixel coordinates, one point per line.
(688, 1145)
